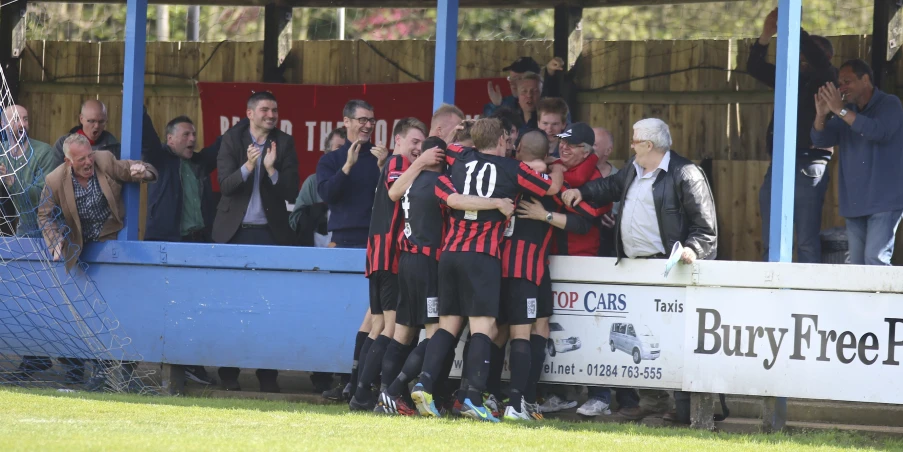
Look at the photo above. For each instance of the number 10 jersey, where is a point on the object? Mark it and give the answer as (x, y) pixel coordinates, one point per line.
(488, 176)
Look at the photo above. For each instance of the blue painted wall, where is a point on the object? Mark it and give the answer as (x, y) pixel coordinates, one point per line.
(243, 306)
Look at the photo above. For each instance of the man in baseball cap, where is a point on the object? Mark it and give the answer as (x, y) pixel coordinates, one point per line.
(523, 64)
(577, 134)
(516, 69)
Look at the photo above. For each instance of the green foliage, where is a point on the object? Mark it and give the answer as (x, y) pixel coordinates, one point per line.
(106, 22)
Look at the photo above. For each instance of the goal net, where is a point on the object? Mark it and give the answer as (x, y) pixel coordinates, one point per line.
(56, 330)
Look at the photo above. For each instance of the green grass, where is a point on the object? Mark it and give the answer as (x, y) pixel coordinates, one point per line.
(43, 420)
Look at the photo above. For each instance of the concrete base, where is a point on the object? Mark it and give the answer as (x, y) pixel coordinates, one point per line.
(702, 411)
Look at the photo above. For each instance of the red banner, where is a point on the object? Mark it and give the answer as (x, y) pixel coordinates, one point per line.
(310, 112)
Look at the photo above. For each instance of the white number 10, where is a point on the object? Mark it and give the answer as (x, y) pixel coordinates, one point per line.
(471, 166)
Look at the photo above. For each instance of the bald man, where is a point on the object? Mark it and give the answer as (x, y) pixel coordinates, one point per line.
(23, 168)
(92, 120)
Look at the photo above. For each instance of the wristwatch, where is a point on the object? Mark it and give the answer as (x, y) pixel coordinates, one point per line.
(549, 217)
(842, 112)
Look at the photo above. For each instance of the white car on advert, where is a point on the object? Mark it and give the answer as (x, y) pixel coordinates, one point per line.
(637, 342)
(559, 341)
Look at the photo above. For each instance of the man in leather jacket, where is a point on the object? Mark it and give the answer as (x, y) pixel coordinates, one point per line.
(660, 184)
(665, 198)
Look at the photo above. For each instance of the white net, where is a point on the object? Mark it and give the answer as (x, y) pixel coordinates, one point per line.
(56, 330)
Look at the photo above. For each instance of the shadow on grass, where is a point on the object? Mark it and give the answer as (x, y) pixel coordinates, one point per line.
(831, 438)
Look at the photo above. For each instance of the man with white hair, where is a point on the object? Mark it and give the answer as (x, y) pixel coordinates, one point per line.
(665, 199)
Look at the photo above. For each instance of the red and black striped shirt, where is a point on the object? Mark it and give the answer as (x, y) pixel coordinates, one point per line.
(487, 176)
(385, 223)
(424, 216)
(527, 244)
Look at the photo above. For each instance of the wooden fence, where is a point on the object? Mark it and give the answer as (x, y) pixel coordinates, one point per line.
(715, 110)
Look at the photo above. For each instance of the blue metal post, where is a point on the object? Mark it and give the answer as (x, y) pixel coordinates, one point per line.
(133, 106)
(784, 161)
(785, 108)
(446, 52)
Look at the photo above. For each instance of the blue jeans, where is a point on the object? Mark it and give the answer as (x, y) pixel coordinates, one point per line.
(872, 237)
(627, 398)
(811, 186)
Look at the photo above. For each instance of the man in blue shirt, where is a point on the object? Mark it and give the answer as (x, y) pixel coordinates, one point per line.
(346, 181)
(868, 126)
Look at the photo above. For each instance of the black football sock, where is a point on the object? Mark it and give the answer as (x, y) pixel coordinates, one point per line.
(440, 344)
(496, 365)
(478, 367)
(520, 358)
(412, 366)
(538, 352)
(393, 360)
(358, 345)
(371, 368)
(361, 361)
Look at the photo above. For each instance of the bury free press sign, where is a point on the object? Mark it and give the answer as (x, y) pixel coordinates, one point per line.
(806, 344)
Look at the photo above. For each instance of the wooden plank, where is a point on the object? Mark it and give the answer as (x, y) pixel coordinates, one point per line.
(247, 64)
(93, 89)
(112, 62)
(32, 60)
(215, 59)
(722, 179)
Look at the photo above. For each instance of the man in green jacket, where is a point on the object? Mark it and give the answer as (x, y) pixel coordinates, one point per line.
(23, 167)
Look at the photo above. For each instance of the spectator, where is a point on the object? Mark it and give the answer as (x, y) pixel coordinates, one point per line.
(258, 172)
(346, 181)
(180, 205)
(25, 164)
(867, 127)
(553, 114)
(529, 87)
(550, 75)
(641, 233)
(87, 191)
(310, 215)
(515, 71)
(603, 148)
(811, 162)
(92, 120)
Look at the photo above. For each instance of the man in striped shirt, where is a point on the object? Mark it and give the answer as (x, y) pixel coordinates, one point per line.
(382, 260)
(470, 270)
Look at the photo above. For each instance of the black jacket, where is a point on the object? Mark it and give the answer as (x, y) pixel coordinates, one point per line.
(164, 199)
(236, 193)
(820, 73)
(683, 202)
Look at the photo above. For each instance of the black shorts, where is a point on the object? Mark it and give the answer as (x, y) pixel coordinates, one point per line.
(418, 290)
(523, 301)
(469, 284)
(383, 291)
